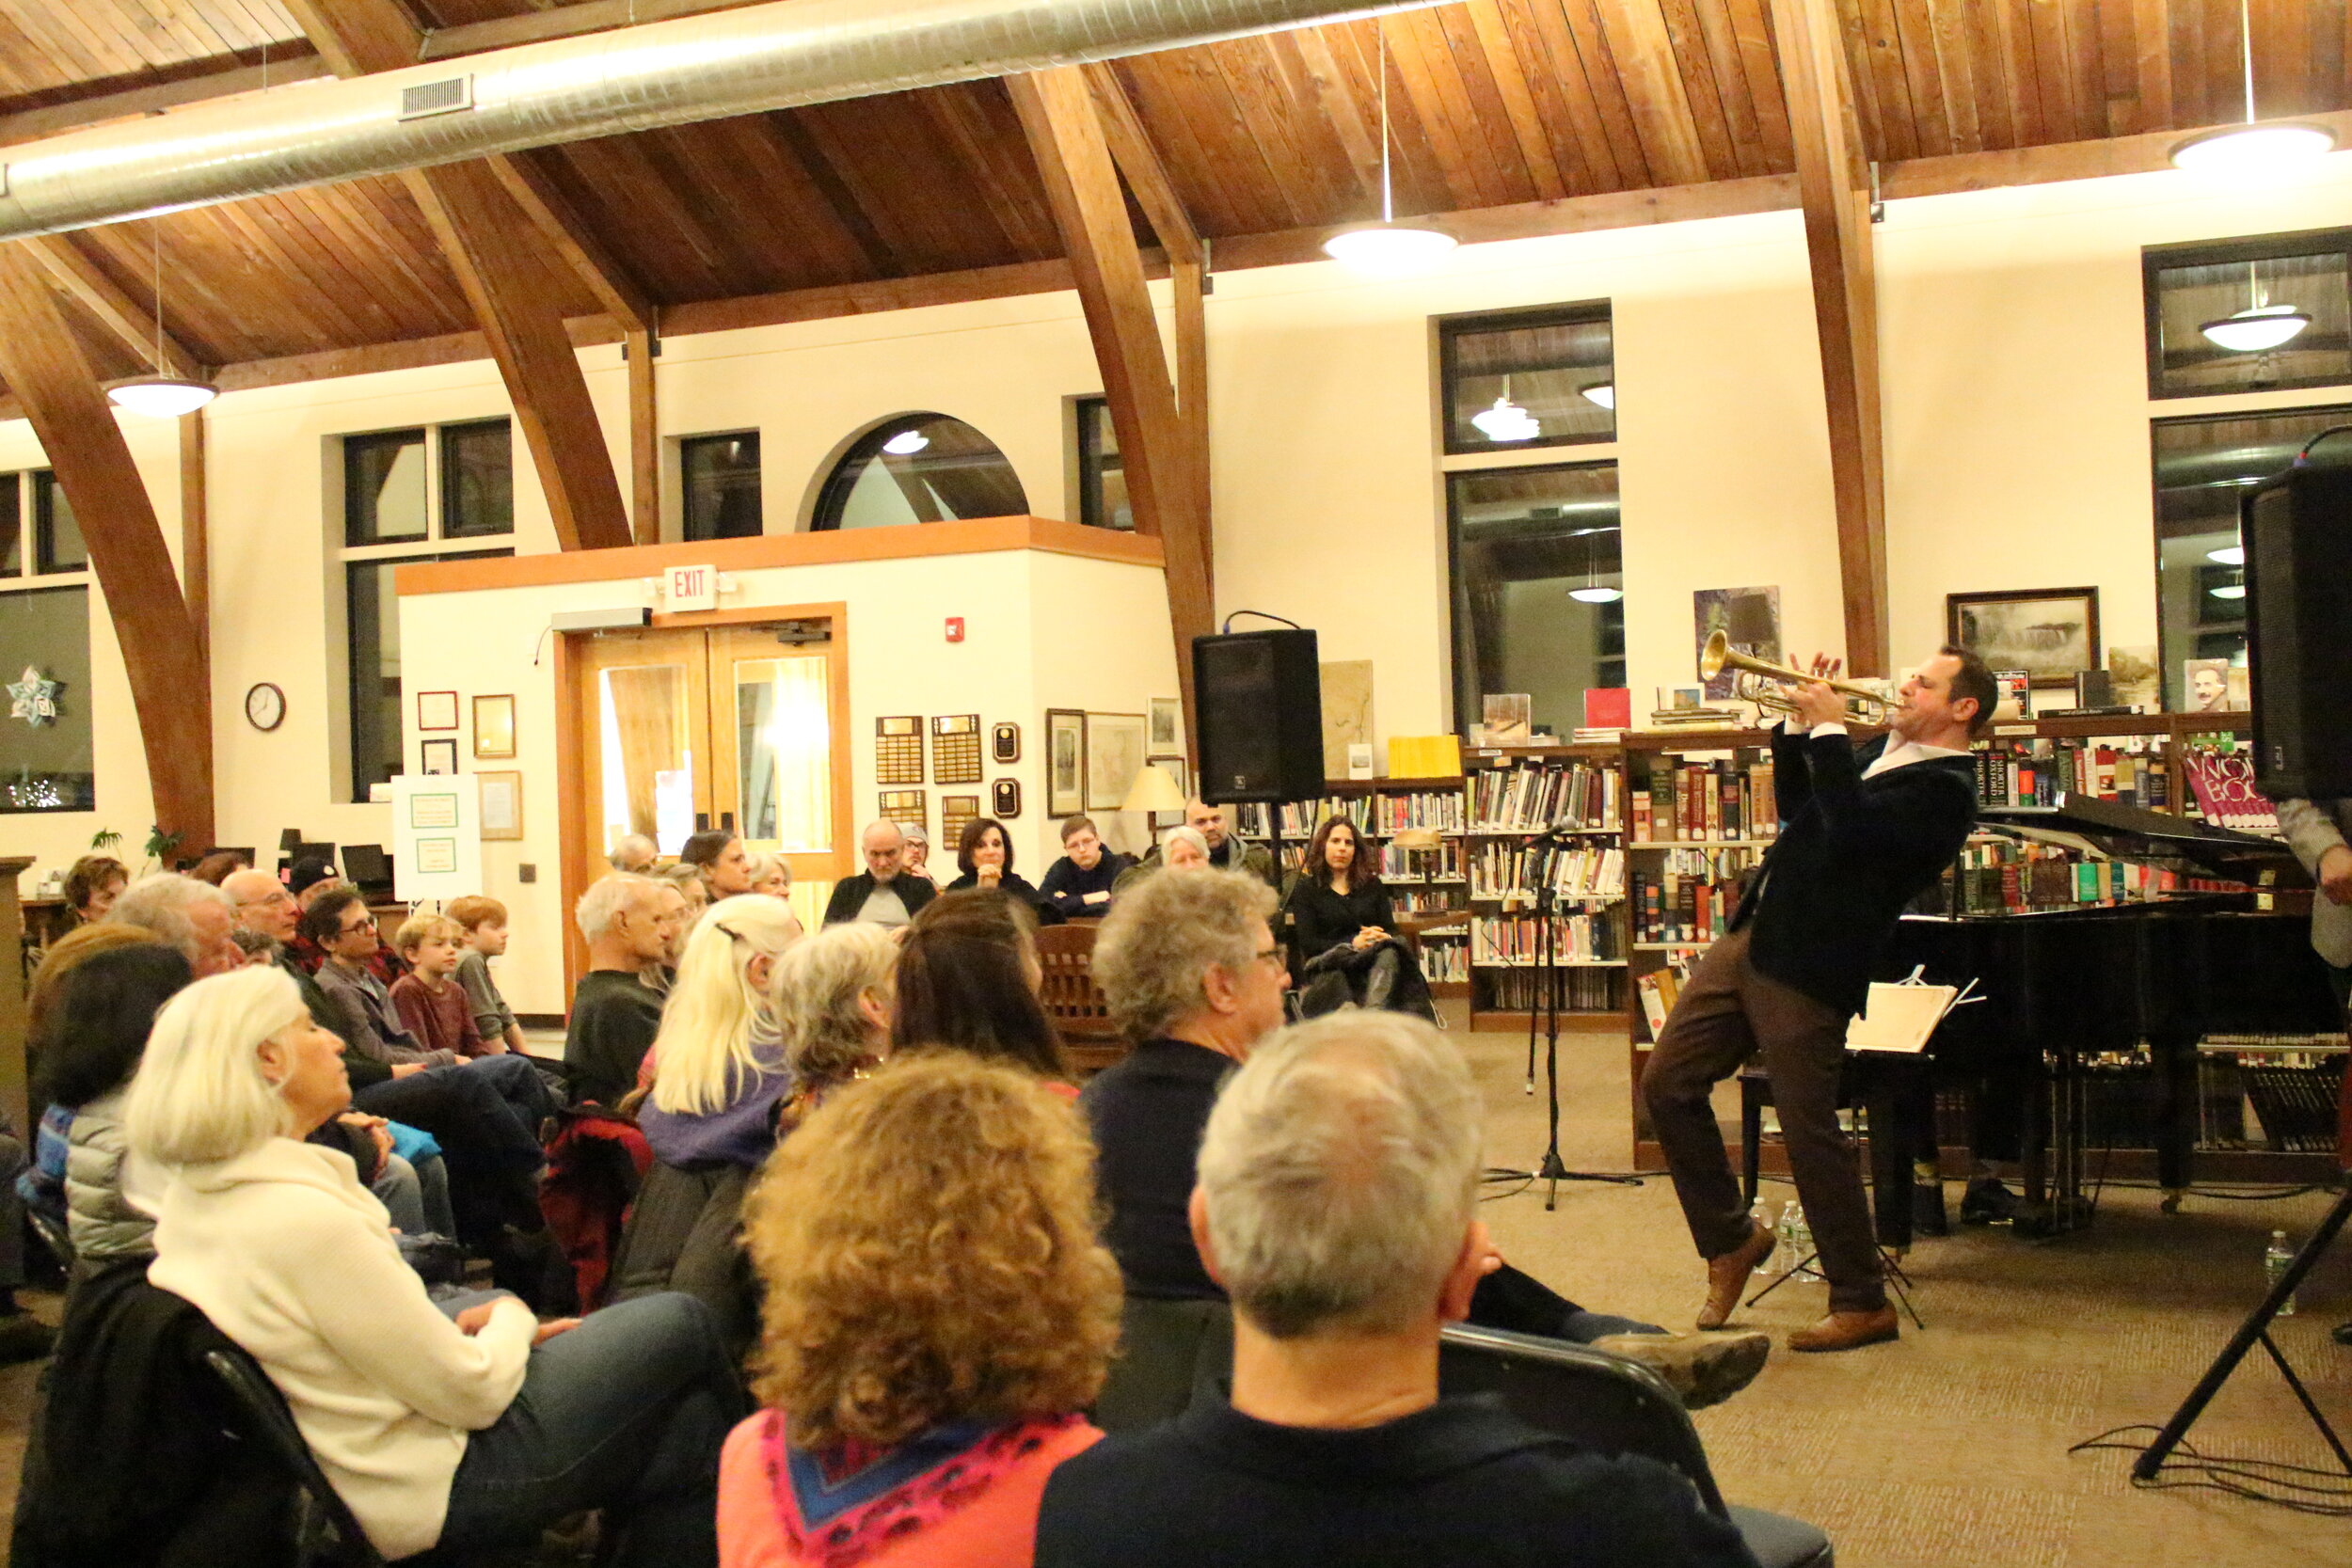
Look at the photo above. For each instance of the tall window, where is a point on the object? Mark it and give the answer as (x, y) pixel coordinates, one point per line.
(720, 482)
(406, 492)
(2248, 315)
(1102, 479)
(919, 468)
(47, 747)
(2203, 467)
(1538, 588)
(1516, 379)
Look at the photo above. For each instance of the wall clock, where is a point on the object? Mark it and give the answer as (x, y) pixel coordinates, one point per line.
(265, 706)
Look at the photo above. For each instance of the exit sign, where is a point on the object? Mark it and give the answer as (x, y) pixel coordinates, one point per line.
(690, 588)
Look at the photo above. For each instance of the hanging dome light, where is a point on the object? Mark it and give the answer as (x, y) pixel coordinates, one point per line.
(1596, 593)
(2252, 148)
(160, 397)
(906, 443)
(1506, 421)
(2229, 591)
(2250, 331)
(1602, 392)
(2228, 555)
(1388, 248)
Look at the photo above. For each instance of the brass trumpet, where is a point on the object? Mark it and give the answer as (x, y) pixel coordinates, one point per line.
(1762, 683)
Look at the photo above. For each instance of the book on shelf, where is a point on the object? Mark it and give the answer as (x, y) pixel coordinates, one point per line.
(1699, 801)
(1608, 708)
(1531, 794)
(1691, 895)
(1577, 872)
(2035, 772)
(1659, 991)
(1424, 756)
(1576, 939)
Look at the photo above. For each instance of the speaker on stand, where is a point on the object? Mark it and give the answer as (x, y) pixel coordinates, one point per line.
(1260, 696)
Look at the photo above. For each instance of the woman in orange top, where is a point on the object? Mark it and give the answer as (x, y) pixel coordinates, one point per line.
(939, 1312)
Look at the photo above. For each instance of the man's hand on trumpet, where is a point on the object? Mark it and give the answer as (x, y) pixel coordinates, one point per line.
(1815, 702)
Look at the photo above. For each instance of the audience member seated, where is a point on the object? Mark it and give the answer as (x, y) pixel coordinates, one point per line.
(430, 1002)
(968, 976)
(917, 859)
(340, 925)
(629, 923)
(1337, 1203)
(216, 867)
(1191, 972)
(634, 854)
(182, 912)
(881, 894)
(934, 1325)
(254, 947)
(1181, 850)
(309, 880)
(457, 1434)
(834, 995)
(718, 1077)
(723, 864)
(1079, 883)
(1227, 851)
(984, 854)
(92, 885)
(692, 887)
(483, 923)
(1344, 929)
(772, 874)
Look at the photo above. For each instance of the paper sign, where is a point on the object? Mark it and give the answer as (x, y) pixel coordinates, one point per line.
(433, 811)
(437, 857)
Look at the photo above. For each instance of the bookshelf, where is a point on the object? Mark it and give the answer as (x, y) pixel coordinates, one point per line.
(1509, 796)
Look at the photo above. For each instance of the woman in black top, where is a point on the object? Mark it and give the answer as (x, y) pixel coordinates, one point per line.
(984, 854)
(1339, 900)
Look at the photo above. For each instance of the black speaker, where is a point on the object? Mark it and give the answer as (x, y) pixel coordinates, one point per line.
(1260, 699)
(2298, 532)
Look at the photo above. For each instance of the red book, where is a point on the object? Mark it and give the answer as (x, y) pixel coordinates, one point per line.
(1608, 708)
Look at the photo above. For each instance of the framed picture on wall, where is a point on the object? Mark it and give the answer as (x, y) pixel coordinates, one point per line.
(2050, 633)
(1114, 757)
(1168, 724)
(441, 756)
(1064, 762)
(501, 806)
(437, 710)
(494, 726)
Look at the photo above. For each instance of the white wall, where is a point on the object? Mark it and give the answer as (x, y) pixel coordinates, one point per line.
(2015, 410)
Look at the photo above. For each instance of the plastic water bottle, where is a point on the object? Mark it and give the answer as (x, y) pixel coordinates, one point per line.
(1761, 1217)
(2277, 1259)
(1800, 1244)
(1788, 1254)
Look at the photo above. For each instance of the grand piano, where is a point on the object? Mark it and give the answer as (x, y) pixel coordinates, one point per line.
(2066, 985)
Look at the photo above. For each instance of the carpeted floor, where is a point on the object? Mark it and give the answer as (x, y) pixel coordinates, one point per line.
(1948, 1449)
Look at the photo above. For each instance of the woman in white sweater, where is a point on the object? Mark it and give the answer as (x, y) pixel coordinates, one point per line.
(457, 1434)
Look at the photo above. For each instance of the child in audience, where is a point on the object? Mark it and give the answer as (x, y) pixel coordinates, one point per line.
(484, 921)
(431, 1003)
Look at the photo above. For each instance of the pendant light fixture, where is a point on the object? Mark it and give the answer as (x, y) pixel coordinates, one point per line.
(163, 395)
(1602, 392)
(1594, 590)
(906, 443)
(2228, 555)
(2259, 325)
(1388, 248)
(2252, 147)
(1506, 421)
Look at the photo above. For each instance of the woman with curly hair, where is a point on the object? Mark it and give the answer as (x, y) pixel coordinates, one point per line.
(927, 1347)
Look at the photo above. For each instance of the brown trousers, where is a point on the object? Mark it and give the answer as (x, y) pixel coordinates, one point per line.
(1727, 1012)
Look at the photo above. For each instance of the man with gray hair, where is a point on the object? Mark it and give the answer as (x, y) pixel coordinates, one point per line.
(634, 854)
(630, 922)
(1338, 1205)
(179, 911)
(883, 894)
(1192, 974)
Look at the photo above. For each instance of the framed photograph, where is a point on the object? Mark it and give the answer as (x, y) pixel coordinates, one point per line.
(1064, 762)
(2050, 633)
(437, 710)
(1749, 618)
(494, 726)
(1168, 724)
(441, 756)
(1114, 753)
(501, 805)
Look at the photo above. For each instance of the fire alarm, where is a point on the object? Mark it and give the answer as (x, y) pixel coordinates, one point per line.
(955, 629)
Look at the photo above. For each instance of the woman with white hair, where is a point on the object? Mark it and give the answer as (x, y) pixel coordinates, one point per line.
(1184, 849)
(718, 1076)
(833, 994)
(457, 1433)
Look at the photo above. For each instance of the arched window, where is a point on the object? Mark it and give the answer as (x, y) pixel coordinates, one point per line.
(918, 469)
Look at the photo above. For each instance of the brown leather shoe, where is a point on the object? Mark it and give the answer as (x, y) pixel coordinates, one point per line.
(1849, 1330)
(1727, 1275)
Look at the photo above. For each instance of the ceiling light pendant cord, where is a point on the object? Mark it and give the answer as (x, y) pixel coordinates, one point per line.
(1388, 198)
(155, 232)
(2246, 53)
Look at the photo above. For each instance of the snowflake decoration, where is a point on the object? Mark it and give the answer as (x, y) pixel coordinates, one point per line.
(33, 699)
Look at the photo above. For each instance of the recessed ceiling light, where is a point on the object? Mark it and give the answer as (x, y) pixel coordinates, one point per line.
(906, 443)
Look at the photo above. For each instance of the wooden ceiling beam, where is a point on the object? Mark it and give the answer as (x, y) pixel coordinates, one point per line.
(52, 374)
(608, 276)
(1073, 159)
(1844, 307)
(73, 272)
(1132, 151)
(570, 21)
(231, 78)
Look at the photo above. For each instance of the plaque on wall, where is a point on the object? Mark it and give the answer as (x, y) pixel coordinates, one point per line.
(1005, 797)
(956, 813)
(1005, 742)
(956, 749)
(905, 806)
(898, 749)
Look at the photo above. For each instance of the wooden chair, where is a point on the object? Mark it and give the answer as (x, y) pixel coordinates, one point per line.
(1074, 1002)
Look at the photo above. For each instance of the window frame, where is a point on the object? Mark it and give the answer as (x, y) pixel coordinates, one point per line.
(685, 444)
(33, 576)
(1452, 479)
(831, 503)
(2155, 260)
(1090, 417)
(1451, 328)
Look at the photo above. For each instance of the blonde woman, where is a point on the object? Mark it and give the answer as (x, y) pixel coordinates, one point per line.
(772, 876)
(472, 1433)
(939, 1312)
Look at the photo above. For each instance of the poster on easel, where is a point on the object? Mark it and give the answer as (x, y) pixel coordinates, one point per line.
(437, 837)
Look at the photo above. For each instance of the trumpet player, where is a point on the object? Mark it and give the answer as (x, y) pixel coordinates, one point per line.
(1863, 831)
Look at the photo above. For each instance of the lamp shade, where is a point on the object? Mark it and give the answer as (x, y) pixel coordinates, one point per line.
(1153, 790)
(2252, 331)
(1596, 592)
(160, 397)
(1389, 250)
(1507, 421)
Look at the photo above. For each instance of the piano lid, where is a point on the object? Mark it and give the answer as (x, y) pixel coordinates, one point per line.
(2150, 838)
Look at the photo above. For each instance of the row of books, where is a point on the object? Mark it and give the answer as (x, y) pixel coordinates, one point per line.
(1524, 990)
(1530, 796)
(1576, 939)
(1691, 895)
(2004, 876)
(1576, 871)
(1409, 899)
(1447, 863)
(1702, 800)
(1375, 816)
(1445, 961)
(2036, 772)
(1659, 991)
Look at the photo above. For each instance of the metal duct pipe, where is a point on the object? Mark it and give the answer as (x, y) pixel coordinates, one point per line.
(734, 62)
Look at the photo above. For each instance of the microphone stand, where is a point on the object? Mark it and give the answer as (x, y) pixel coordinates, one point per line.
(1553, 1169)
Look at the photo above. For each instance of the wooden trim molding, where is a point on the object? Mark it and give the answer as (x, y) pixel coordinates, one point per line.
(970, 536)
